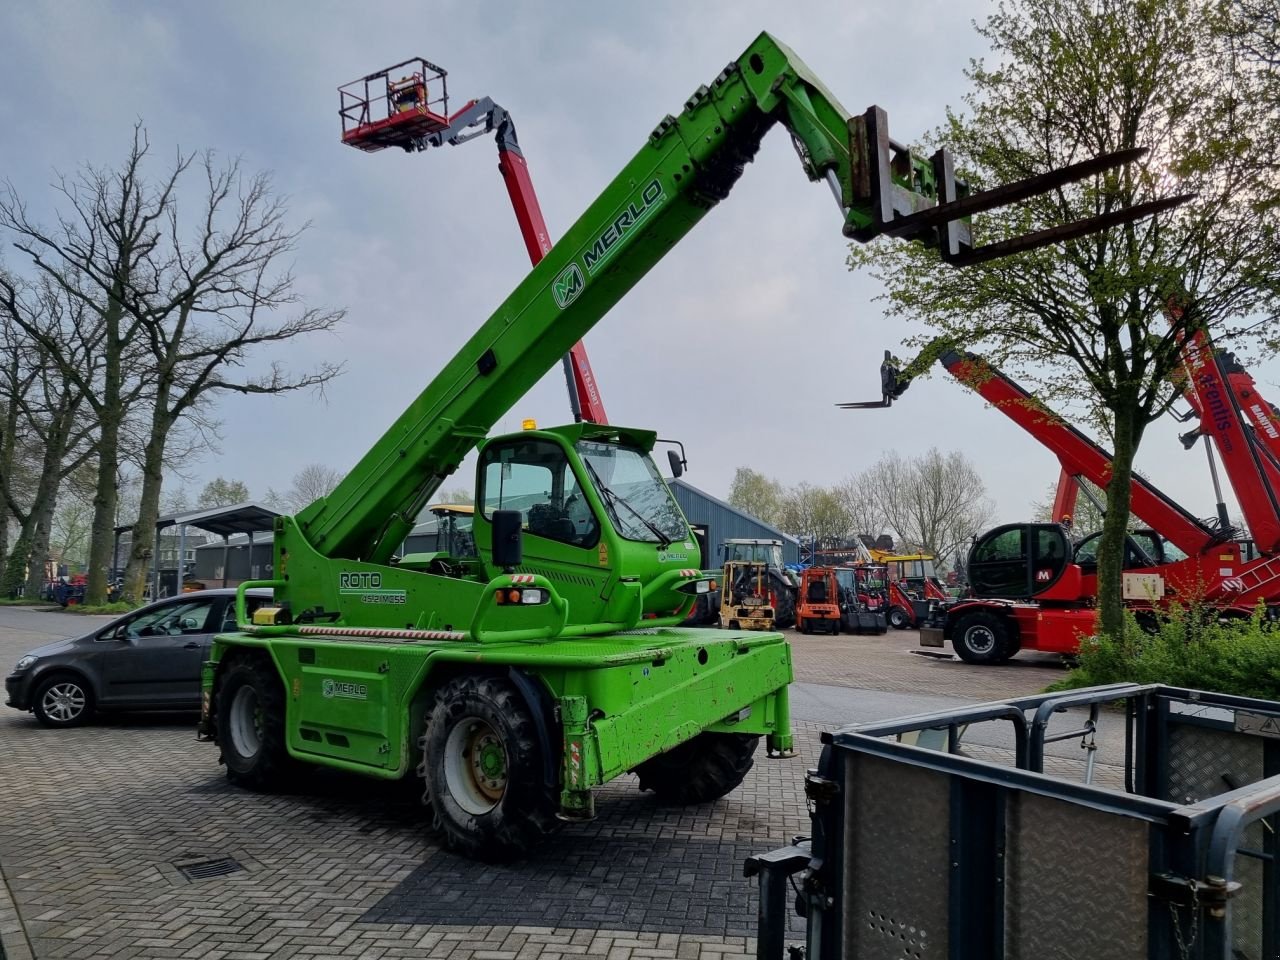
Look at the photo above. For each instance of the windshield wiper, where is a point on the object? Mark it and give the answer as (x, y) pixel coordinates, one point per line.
(612, 499)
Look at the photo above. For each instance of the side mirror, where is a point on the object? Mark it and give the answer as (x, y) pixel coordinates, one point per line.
(677, 465)
(508, 539)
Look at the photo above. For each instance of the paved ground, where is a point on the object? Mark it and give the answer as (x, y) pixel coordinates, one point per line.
(97, 824)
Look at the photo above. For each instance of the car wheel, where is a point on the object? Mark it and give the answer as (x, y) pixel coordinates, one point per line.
(982, 638)
(250, 703)
(63, 700)
(482, 765)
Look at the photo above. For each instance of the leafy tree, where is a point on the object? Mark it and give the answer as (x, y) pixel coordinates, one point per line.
(1070, 79)
(809, 511)
(758, 495)
(220, 492)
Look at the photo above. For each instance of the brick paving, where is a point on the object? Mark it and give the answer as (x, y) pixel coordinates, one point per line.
(95, 824)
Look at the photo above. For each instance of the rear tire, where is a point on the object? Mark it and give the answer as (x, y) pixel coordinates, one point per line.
(982, 638)
(699, 770)
(63, 700)
(483, 768)
(250, 703)
(898, 618)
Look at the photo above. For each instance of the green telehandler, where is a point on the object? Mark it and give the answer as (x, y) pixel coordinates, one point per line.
(515, 681)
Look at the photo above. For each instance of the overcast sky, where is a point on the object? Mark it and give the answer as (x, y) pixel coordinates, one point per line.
(740, 342)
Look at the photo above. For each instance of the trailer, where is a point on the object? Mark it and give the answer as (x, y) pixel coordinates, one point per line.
(921, 850)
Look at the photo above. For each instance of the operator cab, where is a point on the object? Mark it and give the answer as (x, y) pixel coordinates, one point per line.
(444, 544)
(1019, 560)
(768, 552)
(1142, 548)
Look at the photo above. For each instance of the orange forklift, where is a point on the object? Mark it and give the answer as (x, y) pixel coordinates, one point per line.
(818, 605)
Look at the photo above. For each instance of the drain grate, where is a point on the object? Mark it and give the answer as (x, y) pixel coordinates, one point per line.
(207, 869)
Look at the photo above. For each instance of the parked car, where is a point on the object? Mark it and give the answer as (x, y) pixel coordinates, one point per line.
(146, 660)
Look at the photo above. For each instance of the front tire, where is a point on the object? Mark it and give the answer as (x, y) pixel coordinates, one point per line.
(251, 724)
(982, 638)
(63, 700)
(898, 618)
(483, 767)
(699, 770)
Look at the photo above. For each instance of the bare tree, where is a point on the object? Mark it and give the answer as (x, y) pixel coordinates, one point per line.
(99, 256)
(312, 482)
(458, 495)
(210, 304)
(58, 439)
(860, 504)
(195, 297)
(934, 503)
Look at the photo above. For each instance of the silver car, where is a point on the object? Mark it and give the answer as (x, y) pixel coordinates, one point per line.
(146, 660)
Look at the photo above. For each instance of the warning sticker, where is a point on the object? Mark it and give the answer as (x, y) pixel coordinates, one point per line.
(1260, 724)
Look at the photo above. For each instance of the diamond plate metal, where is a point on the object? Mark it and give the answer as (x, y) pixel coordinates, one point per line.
(1076, 882)
(1200, 758)
(1204, 762)
(897, 861)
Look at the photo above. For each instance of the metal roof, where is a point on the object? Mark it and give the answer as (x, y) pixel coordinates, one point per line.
(248, 517)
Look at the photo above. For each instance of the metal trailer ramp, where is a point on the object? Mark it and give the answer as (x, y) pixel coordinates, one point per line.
(919, 851)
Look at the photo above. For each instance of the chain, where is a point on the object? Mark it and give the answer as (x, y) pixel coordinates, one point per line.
(1184, 947)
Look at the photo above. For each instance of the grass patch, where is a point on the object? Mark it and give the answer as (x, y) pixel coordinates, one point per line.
(1188, 647)
(23, 602)
(120, 606)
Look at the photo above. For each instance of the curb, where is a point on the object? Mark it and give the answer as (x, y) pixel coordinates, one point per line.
(14, 943)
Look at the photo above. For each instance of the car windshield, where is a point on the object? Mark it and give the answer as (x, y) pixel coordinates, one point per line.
(639, 505)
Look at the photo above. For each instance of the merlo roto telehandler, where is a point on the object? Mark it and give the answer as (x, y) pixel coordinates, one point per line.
(514, 683)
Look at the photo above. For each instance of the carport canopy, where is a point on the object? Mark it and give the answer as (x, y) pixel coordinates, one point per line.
(247, 517)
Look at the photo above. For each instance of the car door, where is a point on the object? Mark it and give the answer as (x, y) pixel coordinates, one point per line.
(154, 657)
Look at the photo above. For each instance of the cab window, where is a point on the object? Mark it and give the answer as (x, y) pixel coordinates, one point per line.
(534, 477)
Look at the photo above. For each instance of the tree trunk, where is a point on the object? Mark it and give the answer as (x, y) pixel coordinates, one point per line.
(1115, 525)
(41, 524)
(144, 530)
(110, 411)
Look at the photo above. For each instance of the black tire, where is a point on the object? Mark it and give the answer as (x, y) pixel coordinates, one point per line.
(699, 770)
(898, 618)
(483, 769)
(982, 638)
(784, 614)
(802, 626)
(63, 700)
(251, 708)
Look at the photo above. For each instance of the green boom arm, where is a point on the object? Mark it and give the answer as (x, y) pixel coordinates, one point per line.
(689, 164)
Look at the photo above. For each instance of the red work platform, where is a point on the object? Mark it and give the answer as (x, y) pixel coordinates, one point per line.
(395, 107)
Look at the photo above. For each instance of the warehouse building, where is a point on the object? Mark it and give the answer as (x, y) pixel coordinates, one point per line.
(714, 521)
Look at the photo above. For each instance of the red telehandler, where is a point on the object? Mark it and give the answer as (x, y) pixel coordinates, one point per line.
(378, 112)
(1031, 587)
